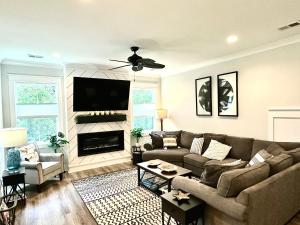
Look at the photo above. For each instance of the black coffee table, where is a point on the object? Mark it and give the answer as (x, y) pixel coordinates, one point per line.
(166, 178)
(184, 213)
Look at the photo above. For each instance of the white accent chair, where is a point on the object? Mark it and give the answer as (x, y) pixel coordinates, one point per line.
(49, 165)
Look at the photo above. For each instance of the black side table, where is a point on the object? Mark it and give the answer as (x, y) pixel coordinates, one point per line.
(16, 182)
(187, 212)
(137, 154)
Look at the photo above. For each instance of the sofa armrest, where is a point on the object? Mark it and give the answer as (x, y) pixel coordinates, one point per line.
(32, 165)
(274, 200)
(148, 146)
(210, 195)
(51, 157)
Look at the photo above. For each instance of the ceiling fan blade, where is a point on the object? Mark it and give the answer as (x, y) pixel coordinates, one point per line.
(147, 60)
(119, 67)
(154, 66)
(113, 60)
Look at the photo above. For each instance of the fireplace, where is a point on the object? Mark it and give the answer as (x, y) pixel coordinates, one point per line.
(100, 142)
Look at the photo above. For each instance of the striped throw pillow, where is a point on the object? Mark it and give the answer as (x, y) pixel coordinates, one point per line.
(261, 156)
(170, 142)
(197, 145)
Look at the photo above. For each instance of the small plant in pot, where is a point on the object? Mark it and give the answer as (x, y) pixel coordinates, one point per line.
(137, 133)
(57, 141)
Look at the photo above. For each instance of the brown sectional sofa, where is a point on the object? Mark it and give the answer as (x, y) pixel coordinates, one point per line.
(274, 200)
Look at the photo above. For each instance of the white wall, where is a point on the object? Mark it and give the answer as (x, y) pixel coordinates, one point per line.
(266, 80)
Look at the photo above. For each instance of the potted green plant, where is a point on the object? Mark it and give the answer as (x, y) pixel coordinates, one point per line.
(137, 133)
(57, 141)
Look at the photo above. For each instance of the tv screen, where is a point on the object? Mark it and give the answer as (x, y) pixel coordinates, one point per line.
(91, 94)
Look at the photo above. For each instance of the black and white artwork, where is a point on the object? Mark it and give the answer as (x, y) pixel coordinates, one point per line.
(228, 94)
(203, 96)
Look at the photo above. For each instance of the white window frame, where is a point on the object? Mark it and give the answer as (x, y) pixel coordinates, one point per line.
(147, 85)
(58, 81)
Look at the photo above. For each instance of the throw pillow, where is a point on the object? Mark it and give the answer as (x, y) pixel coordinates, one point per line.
(197, 146)
(157, 139)
(295, 153)
(261, 156)
(232, 182)
(170, 142)
(208, 137)
(279, 163)
(216, 150)
(213, 171)
(4, 217)
(274, 149)
(29, 153)
(176, 134)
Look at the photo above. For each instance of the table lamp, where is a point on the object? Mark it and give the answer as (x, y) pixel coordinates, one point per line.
(161, 115)
(9, 139)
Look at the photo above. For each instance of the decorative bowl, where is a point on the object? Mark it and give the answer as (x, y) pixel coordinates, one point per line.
(154, 163)
(166, 167)
(181, 196)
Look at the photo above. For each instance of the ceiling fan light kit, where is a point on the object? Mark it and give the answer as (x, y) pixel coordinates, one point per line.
(137, 62)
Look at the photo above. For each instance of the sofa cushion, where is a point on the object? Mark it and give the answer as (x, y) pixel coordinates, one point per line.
(157, 139)
(231, 183)
(261, 144)
(274, 149)
(259, 157)
(195, 160)
(295, 153)
(279, 163)
(197, 146)
(169, 155)
(217, 150)
(186, 139)
(176, 134)
(241, 147)
(49, 167)
(209, 136)
(214, 168)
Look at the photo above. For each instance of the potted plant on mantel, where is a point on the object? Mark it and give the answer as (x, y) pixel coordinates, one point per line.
(137, 133)
(57, 141)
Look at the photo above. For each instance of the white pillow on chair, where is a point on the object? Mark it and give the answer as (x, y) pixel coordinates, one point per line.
(29, 153)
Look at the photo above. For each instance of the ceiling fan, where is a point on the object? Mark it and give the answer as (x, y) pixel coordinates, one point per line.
(137, 62)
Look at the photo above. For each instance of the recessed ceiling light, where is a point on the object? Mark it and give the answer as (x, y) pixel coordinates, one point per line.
(232, 39)
(35, 56)
(56, 55)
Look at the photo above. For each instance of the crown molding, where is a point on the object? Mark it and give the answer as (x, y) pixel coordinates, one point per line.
(31, 64)
(262, 48)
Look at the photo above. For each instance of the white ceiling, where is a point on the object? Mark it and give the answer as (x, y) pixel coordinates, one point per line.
(177, 33)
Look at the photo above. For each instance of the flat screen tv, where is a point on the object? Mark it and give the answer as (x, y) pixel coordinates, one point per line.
(91, 94)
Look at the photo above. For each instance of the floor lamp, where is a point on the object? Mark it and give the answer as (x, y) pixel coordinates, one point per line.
(161, 115)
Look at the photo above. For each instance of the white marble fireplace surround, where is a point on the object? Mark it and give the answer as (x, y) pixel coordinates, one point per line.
(92, 161)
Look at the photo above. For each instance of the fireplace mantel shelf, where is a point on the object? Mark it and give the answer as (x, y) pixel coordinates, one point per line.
(87, 118)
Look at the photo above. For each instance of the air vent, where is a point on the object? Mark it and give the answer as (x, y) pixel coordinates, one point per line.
(35, 56)
(291, 25)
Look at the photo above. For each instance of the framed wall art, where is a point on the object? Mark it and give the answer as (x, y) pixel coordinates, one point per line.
(203, 96)
(228, 94)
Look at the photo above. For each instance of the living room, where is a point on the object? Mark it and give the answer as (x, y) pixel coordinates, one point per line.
(110, 111)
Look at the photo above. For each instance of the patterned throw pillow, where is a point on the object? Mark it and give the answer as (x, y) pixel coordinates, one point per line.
(259, 157)
(197, 145)
(170, 142)
(216, 150)
(29, 153)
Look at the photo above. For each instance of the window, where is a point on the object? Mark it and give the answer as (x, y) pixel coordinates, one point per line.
(36, 108)
(144, 105)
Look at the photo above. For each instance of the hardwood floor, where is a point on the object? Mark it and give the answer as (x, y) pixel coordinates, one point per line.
(60, 204)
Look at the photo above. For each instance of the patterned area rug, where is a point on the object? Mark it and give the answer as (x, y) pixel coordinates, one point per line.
(115, 198)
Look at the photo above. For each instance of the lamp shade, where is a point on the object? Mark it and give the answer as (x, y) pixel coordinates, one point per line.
(13, 137)
(162, 113)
